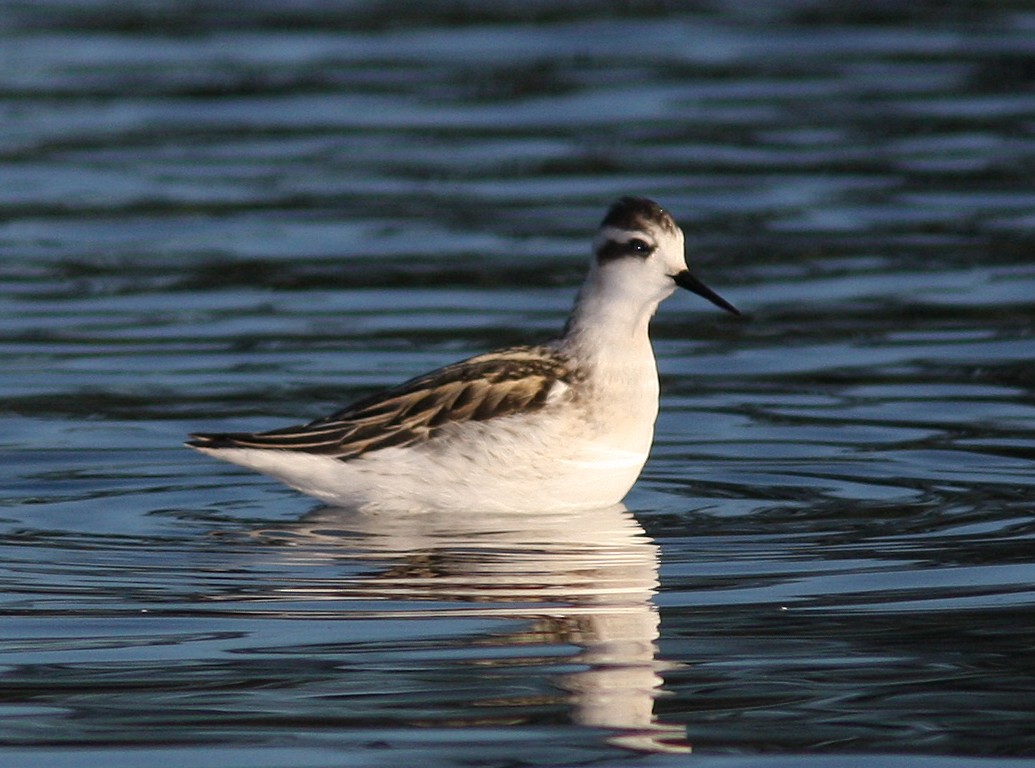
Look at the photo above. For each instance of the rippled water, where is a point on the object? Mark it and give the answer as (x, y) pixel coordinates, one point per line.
(215, 216)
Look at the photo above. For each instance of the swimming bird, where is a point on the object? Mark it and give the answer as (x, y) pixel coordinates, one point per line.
(565, 424)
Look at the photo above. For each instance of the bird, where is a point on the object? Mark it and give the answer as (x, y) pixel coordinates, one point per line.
(566, 424)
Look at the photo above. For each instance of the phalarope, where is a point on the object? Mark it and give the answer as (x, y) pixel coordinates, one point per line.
(566, 424)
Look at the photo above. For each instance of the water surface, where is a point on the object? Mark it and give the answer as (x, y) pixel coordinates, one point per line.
(244, 217)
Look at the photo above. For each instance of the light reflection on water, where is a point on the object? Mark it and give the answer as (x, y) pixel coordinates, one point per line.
(583, 580)
(248, 214)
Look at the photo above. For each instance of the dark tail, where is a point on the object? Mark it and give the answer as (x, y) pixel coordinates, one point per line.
(302, 438)
(218, 440)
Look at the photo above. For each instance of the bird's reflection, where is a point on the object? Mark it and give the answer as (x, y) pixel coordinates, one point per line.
(586, 579)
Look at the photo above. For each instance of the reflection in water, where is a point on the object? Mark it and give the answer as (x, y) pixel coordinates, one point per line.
(585, 579)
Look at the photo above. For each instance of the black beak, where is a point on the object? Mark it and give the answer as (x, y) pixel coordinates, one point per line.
(685, 280)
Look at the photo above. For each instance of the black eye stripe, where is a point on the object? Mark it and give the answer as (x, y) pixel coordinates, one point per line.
(613, 249)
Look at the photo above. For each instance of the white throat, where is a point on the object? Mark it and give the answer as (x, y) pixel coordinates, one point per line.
(615, 304)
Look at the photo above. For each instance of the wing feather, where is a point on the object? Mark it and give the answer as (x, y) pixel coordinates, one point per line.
(479, 389)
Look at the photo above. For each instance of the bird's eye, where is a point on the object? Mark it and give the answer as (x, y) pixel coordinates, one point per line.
(639, 247)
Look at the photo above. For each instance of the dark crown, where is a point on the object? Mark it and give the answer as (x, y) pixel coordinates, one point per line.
(637, 213)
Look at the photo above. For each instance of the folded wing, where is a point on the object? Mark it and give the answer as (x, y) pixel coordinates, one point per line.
(486, 387)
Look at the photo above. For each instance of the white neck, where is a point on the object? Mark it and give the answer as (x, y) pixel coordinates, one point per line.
(606, 336)
(608, 326)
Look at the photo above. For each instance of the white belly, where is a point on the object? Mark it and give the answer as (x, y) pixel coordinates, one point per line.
(515, 464)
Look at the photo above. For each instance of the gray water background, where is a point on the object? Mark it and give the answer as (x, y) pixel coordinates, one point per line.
(241, 215)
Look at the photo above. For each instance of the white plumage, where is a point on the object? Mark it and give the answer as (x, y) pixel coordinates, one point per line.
(563, 425)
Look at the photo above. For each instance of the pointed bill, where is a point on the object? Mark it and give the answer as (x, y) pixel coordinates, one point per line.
(685, 280)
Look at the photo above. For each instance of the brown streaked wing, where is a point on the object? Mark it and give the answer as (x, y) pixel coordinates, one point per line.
(478, 389)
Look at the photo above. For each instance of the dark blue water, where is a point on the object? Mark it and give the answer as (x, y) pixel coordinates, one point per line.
(241, 215)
